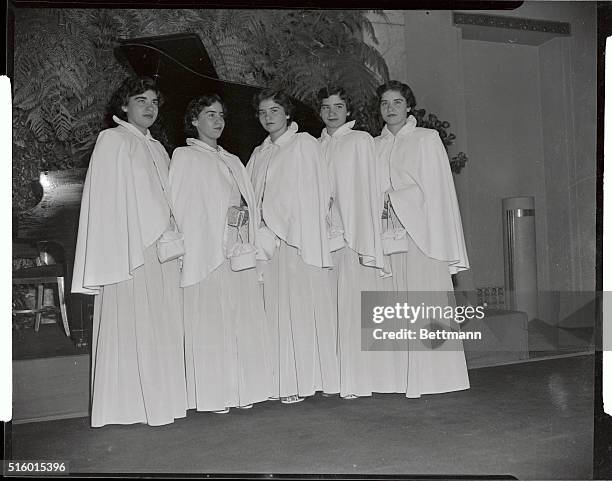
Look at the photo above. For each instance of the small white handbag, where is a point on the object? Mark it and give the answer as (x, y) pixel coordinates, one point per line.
(266, 242)
(242, 255)
(171, 244)
(335, 233)
(336, 238)
(394, 238)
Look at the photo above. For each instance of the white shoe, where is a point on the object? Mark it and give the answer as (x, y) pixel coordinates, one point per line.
(292, 399)
(223, 411)
(246, 406)
(349, 396)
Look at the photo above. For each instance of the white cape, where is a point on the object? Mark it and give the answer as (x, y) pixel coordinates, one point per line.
(123, 208)
(202, 181)
(351, 160)
(422, 191)
(292, 187)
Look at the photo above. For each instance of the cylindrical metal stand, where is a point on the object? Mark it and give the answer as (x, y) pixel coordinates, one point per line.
(520, 259)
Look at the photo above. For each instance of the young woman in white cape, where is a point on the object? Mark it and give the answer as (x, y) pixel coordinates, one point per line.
(292, 193)
(354, 223)
(138, 372)
(416, 177)
(225, 345)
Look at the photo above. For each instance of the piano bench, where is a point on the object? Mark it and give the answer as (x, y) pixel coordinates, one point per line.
(39, 276)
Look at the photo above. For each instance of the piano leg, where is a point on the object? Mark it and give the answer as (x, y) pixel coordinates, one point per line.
(39, 305)
(62, 302)
(80, 306)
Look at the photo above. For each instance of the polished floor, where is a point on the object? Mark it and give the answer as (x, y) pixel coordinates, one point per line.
(532, 420)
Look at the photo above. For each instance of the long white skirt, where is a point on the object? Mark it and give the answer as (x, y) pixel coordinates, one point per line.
(138, 369)
(225, 343)
(301, 331)
(418, 370)
(350, 278)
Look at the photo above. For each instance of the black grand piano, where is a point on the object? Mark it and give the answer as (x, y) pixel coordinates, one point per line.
(183, 70)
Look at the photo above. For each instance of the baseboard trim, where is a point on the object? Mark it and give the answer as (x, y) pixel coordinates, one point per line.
(57, 417)
(536, 359)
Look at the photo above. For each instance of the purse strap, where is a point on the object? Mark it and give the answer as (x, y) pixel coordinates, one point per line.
(329, 217)
(387, 197)
(236, 189)
(390, 212)
(247, 233)
(164, 189)
(263, 188)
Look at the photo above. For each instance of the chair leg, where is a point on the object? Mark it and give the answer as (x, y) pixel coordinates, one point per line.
(62, 301)
(39, 304)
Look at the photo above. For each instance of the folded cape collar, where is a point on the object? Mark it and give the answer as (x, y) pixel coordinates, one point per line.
(132, 129)
(204, 146)
(283, 139)
(408, 127)
(343, 129)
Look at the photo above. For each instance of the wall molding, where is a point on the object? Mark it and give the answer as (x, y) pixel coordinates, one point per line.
(513, 23)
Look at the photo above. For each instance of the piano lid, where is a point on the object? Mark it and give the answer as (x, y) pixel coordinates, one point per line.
(183, 71)
(185, 49)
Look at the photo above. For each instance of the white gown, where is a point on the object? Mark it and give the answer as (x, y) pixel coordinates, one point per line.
(416, 174)
(292, 191)
(355, 215)
(138, 371)
(225, 345)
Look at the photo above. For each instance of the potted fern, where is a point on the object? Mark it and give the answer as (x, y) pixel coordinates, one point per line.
(65, 70)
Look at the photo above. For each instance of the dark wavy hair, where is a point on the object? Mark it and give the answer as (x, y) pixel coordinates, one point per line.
(195, 107)
(279, 96)
(330, 90)
(400, 87)
(129, 87)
